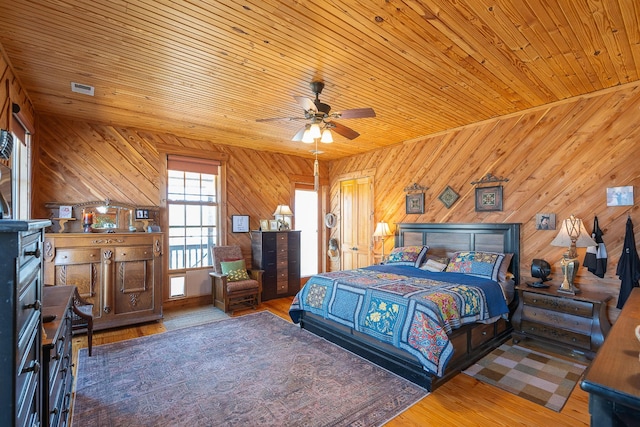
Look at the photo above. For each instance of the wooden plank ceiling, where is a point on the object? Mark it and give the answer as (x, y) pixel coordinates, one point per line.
(209, 69)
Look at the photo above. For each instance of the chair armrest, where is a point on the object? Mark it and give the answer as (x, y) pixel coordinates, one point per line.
(256, 274)
(218, 275)
(82, 314)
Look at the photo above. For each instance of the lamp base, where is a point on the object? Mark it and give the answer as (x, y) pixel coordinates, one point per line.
(570, 269)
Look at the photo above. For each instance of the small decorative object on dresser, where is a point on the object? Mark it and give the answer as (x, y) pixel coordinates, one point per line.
(575, 322)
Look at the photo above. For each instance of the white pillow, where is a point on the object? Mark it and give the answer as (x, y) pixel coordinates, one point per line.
(432, 265)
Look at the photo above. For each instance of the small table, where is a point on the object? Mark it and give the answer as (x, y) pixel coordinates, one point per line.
(613, 378)
(576, 322)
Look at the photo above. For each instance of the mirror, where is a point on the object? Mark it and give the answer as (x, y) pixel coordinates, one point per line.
(105, 217)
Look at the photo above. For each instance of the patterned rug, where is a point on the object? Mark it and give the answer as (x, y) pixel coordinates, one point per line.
(185, 317)
(257, 370)
(535, 376)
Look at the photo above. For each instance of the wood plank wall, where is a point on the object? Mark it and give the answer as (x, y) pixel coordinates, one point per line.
(80, 162)
(558, 159)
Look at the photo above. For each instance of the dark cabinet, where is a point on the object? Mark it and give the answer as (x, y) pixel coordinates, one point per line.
(56, 355)
(20, 322)
(278, 254)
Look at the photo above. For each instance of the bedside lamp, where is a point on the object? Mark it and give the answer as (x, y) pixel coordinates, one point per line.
(573, 235)
(281, 214)
(382, 230)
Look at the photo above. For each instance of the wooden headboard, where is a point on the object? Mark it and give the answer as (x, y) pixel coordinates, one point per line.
(444, 239)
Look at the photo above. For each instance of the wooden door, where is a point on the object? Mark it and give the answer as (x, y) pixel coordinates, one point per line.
(356, 230)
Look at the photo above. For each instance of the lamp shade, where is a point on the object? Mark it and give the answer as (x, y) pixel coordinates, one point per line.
(382, 230)
(573, 231)
(283, 210)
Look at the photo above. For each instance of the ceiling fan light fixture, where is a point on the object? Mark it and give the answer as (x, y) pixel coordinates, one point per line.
(306, 137)
(327, 138)
(314, 131)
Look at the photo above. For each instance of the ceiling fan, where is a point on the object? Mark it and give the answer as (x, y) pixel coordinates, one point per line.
(321, 118)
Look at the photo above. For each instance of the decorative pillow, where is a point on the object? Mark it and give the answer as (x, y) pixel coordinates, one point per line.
(504, 268)
(481, 264)
(433, 265)
(407, 255)
(235, 270)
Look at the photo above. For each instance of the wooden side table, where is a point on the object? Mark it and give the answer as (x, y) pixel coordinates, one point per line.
(576, 322)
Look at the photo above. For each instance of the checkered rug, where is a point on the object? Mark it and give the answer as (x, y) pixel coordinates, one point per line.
(535, 376)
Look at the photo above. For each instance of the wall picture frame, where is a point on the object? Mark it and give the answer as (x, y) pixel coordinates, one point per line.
(489, 198)
(620, 196)
(415, 203)
(545, 221)
(240, 223)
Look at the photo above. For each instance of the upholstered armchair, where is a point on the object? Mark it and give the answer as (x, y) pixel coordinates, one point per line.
(233, 285)
(82, 318)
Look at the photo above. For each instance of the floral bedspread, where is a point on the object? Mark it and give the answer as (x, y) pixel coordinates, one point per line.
(412, 309)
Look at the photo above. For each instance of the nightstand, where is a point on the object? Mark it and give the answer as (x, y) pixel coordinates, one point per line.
(575, 322)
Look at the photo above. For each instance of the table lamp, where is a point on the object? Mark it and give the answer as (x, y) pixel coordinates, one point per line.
(382, 230)
(573, 235)
(283, 214)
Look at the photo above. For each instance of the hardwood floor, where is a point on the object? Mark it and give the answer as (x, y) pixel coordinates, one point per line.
(462, 401)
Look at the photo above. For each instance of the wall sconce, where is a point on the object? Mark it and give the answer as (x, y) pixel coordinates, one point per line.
(382, 230)
(573, 235)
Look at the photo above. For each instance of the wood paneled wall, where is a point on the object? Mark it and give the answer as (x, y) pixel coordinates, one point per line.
(79, 161)
(558, 159)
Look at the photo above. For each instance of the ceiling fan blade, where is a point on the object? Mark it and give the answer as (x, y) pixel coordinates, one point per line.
(306, 103)
(273, 119)
(298, 136)
(347, 132)
(356, 113)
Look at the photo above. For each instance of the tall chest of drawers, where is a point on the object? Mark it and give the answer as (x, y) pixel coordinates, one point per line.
(278, 254)
(20, 322)
(576, 322)
(57, 377)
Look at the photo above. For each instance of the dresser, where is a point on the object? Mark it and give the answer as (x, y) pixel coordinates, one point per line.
(57, 377)
(576, 322)
(20, 322)
(613, 378)
(119, 273)
(278, 254)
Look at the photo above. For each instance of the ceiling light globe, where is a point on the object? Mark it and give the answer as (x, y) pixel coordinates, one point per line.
(314, 130)
(326, 136)
(307, 138)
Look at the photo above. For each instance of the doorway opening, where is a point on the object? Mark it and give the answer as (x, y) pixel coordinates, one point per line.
(306, 220)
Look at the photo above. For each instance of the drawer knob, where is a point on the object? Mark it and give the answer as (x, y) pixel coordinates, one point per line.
(35, 253)
(35, 368)
(35, 305)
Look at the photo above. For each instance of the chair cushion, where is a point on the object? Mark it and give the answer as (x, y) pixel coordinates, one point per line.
(241, 285)
(236, 270)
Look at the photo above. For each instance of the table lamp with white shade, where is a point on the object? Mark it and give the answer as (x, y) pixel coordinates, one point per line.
(382, 230)
(573, 235)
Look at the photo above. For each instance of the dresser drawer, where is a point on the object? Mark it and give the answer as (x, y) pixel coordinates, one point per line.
(556, 334)
(77, 256)
(28, 375)
(565, 305)
(28, 308)
(481, 334)
(578, 324)
(134, 253)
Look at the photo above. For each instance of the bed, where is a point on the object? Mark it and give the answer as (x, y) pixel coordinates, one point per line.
(423, 324)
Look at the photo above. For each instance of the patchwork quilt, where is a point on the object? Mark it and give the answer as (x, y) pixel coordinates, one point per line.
(409, 308)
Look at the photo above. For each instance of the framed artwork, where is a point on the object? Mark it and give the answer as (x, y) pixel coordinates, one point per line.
(273, 225)
(448, 197)
(264, 224)
(489, 199)
(142, 213)
(65, 212)
(415, 203)
(240, 223)
(545, 221)
(620, 196)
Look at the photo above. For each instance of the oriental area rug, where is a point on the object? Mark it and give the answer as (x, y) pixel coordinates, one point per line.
(535, 376)
(253, 370)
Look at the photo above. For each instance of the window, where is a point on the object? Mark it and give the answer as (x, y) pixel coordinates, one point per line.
(193, 207)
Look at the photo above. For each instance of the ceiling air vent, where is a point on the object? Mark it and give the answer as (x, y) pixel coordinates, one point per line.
(80, 88)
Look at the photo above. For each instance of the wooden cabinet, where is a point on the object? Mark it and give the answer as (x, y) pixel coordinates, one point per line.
(278, 254)
(119, 273)
(57, 378)
(576, 322)
(20, 322)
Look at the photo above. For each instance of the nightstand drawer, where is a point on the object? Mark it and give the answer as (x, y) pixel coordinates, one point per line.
(565, 305)
(557, 334)
(578, 324)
